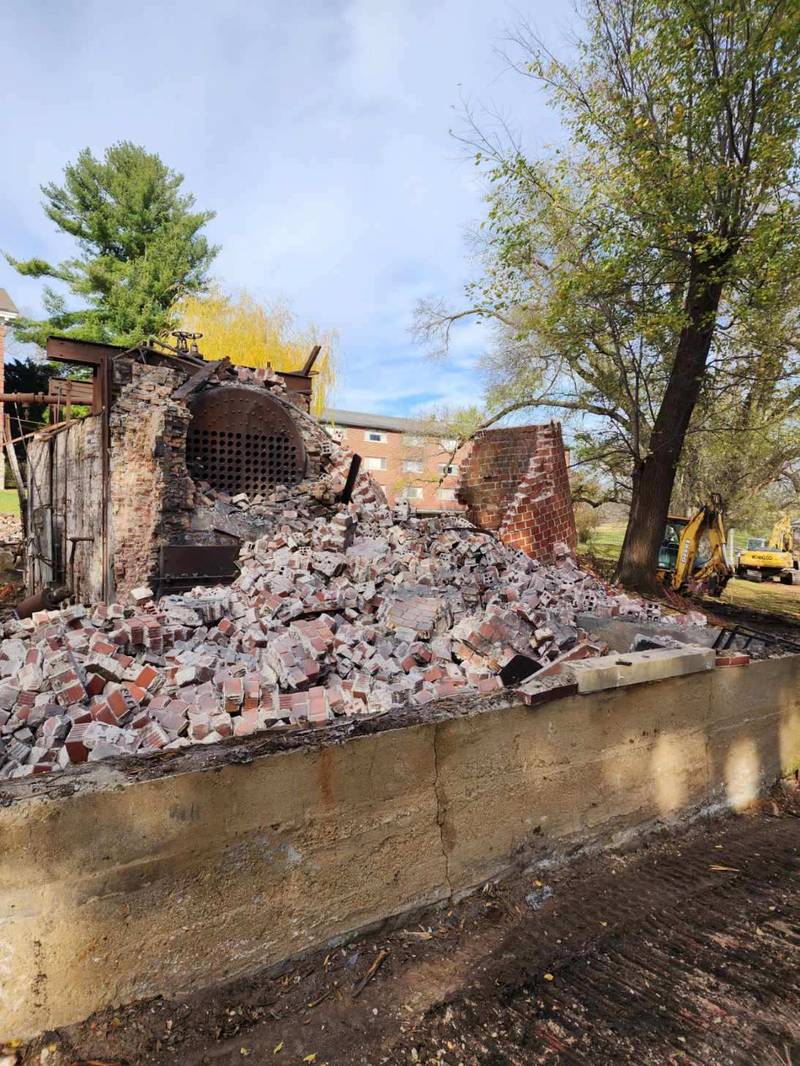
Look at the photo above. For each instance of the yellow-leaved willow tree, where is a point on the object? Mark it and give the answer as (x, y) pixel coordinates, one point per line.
(254, 334)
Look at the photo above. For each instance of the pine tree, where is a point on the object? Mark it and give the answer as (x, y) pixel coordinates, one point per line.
(140, 249)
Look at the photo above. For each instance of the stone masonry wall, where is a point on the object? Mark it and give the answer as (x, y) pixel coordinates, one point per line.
(515, 482)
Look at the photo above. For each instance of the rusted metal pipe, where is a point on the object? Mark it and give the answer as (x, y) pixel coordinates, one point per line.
(29, 397)
(45, 600)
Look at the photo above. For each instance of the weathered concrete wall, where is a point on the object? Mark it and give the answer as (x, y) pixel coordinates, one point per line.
(115, 885)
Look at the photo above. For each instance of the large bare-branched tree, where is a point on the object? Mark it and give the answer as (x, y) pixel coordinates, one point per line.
(646, 276)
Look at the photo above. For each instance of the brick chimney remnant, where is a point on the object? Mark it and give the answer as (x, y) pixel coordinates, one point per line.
(515, 481)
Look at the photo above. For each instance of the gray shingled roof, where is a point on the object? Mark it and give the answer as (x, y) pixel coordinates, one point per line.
(7, 305)
(363, 420)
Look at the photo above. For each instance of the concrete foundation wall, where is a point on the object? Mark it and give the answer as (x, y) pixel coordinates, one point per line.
(115, 885)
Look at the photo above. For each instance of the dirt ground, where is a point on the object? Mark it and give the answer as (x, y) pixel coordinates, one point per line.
(684, 950)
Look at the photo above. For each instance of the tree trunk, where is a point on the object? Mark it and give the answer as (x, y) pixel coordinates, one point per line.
(655, 474)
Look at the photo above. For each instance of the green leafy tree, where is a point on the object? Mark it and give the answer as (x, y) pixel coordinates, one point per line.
(140, 248)
(755, 462)
(652, 268)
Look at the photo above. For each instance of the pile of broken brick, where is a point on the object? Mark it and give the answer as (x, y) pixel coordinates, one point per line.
(10, 528)
(354, 612)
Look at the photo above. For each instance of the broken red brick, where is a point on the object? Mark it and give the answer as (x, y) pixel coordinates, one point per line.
(149, 678)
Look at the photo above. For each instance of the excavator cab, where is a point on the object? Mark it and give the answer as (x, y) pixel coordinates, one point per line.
(692, 554)
(668, 552)
(755, 544)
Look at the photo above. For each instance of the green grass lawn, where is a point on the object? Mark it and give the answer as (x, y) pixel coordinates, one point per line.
(9, 501)
(768, 596)
(606, 541)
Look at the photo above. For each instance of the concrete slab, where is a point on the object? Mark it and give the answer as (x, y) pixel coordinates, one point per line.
(619, 633)
(637, 667)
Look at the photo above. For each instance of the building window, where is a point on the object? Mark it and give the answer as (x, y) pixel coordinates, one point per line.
(372, 462)
(412, 466)
(413, 440)
(448, 469)
(412, 492)
(375, 436)
(449, 444)
(447, 494)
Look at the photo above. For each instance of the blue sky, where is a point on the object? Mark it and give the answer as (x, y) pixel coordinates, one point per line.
(318, 132)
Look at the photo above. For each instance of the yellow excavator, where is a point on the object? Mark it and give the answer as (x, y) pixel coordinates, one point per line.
(776, 558)
(692, 555)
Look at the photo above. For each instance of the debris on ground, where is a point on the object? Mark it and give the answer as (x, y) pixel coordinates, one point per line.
(10, 529)
(474, 980)
(538, 896)
(338, 611)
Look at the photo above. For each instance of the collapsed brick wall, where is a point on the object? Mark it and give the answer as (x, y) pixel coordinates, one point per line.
(515, 481)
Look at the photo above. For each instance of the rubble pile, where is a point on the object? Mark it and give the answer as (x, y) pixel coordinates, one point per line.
(247, 517)
(10, 528)
(350, 612)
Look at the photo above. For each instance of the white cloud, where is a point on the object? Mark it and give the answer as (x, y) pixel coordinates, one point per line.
(317, 131)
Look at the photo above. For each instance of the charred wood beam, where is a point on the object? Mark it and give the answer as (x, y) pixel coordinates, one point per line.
(352, 474)
(204, 374)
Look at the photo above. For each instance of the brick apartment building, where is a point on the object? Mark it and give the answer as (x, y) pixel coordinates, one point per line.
(402, 456)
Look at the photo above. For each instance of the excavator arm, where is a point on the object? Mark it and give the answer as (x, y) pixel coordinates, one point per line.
(714, 574)
(715, 571)
(687, 549)
(781, 538)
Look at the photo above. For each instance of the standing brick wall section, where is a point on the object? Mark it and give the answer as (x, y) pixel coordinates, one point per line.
(515, 481)
(149, 485)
